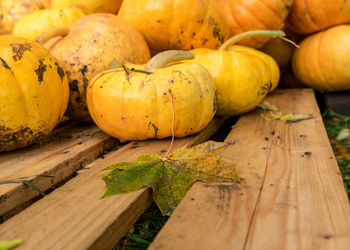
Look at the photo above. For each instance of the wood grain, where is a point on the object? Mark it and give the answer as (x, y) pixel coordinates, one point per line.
(71, 148)
(291, 196)
(76, 217)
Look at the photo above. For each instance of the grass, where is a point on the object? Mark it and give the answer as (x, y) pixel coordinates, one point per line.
(143, 231)
(334, 124)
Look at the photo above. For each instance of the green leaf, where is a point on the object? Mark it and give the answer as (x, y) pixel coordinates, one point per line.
(292, 117)
(5, 245)
(170, 178)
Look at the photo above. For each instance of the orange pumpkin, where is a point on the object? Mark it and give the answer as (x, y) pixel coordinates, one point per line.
(246, 15)
(13, 10)
(309, 16)
(177, 24)
(89, 46)
(322, 61)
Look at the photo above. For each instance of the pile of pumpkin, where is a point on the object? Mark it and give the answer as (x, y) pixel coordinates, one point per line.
(96, 55)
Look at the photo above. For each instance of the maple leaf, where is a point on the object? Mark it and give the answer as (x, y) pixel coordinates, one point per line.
(171, 177)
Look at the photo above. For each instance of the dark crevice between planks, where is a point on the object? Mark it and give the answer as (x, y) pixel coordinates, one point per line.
(225, 129)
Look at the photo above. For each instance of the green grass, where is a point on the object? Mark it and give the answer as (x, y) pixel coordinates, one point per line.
(144, 230)
(334, 123)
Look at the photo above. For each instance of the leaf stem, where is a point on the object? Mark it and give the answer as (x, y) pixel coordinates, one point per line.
(172, 127)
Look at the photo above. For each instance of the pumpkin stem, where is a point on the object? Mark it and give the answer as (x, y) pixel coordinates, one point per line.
(249, 34)
(52, 33)
(172, 127)
(290, 41)
(163, 58)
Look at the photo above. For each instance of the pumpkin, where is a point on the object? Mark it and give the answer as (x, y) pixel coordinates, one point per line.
(33, 92)
(88, 6)
(243, 76)
(280, 50)
(246, 15)
(34, 24)
(13, 10)
(309, 16)
(177, 24)
(88, 47)
(139, 102)
(322, 61)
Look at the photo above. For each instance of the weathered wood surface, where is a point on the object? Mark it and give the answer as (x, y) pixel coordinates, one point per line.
(72, 148)
(75, 217)
(291, 197)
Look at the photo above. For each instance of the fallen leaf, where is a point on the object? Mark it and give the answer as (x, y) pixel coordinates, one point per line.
(292, 117)
(264, 105)
(171, 177)
(343, 134)
(6, 245)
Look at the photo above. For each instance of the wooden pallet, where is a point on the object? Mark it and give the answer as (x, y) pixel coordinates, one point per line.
(291, 195)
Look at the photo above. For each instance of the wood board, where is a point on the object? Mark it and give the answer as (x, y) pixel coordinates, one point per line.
(291, 196)
(45, 165)
(75, 217)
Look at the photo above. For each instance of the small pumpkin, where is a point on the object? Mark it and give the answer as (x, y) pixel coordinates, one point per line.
(138, 102)
(89, 6)
(88, 47)
(33, 92)
(177, 24)
(280, 50)
(246, 15)
(13, 10)
(243, 75)
(309, 16)
(322, 61)
(38, 22)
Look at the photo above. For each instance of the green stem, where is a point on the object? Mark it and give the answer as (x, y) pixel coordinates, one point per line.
(164, 58)
(249, 34)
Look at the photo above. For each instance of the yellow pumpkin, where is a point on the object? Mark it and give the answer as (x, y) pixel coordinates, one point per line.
(33, 92)
(34, 24)
(88, 48)
(243, 76)
(13, 10)
(322, 61)
(89, 6)
(135, 102)
(177, 24)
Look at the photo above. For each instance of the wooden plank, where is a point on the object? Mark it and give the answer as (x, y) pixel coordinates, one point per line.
(291, 197)
(75, 217)
(69, 150)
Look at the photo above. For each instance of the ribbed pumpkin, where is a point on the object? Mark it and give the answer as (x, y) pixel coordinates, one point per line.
(246, 15)
(89, 6)
(243, 75)
(34, 24)
(322, 61)
(89, 47)
(136, 102)
(177, 24)
(309, 16)
(13, 10)
(33, 92)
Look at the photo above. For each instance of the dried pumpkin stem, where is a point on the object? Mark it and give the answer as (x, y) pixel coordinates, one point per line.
(52, 33)
(162, 59)
(254, 33)
(172, 126)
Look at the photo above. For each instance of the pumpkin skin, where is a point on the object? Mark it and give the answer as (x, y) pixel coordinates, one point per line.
(246, 15)
(33, 92)
(141, 108)
(13, 10)
(34, 24)
(89, 6)
(269, 60)
(93, 43)
(309, 16)
(322, 61)
(242, 79)
(177, 24)
(279, 50)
